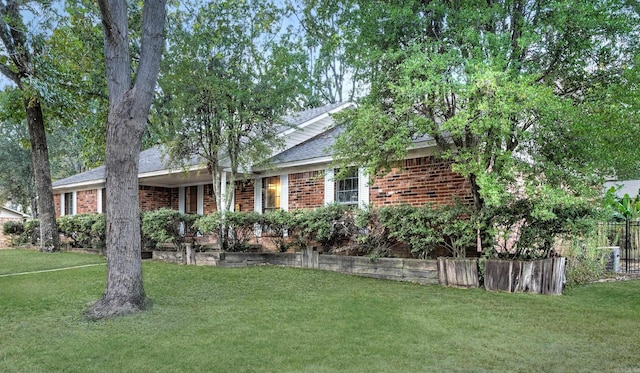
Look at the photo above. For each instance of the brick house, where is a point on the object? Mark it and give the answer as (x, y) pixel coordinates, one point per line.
(300, 176)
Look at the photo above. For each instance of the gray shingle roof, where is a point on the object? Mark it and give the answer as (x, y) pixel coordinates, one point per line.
(316, 147)
(305, 116)
(152, 160)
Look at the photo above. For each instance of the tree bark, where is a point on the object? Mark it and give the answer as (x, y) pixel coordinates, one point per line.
(128, 112)
(49, 241)
(13, 35)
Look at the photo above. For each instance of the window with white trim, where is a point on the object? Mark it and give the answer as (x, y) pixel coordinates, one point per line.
(346, 189)
(271, 193)
(191, 200)
(68, 203)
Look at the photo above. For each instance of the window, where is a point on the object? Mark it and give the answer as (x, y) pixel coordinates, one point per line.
(68, 204)
(271, 193)
(191, 200)
(347, 188)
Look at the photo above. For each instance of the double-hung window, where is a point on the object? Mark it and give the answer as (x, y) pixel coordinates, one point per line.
(68, 204)
(346, 189)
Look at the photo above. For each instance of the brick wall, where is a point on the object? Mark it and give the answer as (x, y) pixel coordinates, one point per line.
(416, 182)
(419, 181)
(244, 195)
(153, 198)
(56, 204)
(306, 190)
(87, 201)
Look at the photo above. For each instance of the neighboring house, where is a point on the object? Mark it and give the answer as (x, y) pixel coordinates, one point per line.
(300, 176)
(8, 214)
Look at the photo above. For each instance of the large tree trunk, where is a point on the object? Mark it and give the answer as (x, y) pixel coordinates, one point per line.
(128, 111)
(42, 175)
(125, 292)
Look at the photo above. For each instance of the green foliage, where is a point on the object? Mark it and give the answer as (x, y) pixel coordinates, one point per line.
(586, 260)
(14, 229)
(168, 226)
(525, 99)
(234, 229)
(225, 87)
(625, 208)
(84, 230)
(428, 227)
(16, 169)
(32, 231)
(279, 226)
(538, 223)
(328, 225)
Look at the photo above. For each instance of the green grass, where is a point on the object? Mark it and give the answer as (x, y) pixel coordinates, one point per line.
(272, 319)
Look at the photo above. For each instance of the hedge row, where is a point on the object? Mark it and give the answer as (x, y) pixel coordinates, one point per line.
(372, 231)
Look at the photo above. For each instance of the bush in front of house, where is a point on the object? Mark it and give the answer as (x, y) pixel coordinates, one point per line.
(421, 228)
(234, 229)
(280, 224)
(84, 230)
(330, 226)
(168, 226)
(31, 232)
(541, 222)
(14, 229)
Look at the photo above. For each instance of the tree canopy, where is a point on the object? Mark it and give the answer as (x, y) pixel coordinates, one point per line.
(533, 89)
(232, 71)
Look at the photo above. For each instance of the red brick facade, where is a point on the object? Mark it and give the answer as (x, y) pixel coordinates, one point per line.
(153, 198)
(56, 204)
(245, 195)
(306, 190)
(419, 181)
(416, 181)
(87, 201)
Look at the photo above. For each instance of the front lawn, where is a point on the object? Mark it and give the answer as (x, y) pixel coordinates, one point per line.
(272, 319)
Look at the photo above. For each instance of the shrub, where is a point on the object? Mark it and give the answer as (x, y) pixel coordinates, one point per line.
(32, 231)
(372, 238)
(540, 223)
(586, 261)
(170, 226)
(80, 229)
(14, 229)
(234, 230)
(279, 224)
(328, 225)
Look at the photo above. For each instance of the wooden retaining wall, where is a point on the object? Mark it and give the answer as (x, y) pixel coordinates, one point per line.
(399, 269)
(543, 276)
(458, 272)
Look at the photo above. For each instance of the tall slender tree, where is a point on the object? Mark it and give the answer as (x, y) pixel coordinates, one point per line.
(129, 105)
(20, 48)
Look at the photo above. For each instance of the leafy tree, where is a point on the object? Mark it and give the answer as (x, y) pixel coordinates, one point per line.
(330, 39)
(16, 168)
(520, 94)
(72, 83)
(129, 106)
(232, 73)
(21, 45)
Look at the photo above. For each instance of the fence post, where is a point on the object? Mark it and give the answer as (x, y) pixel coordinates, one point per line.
(627, 239)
